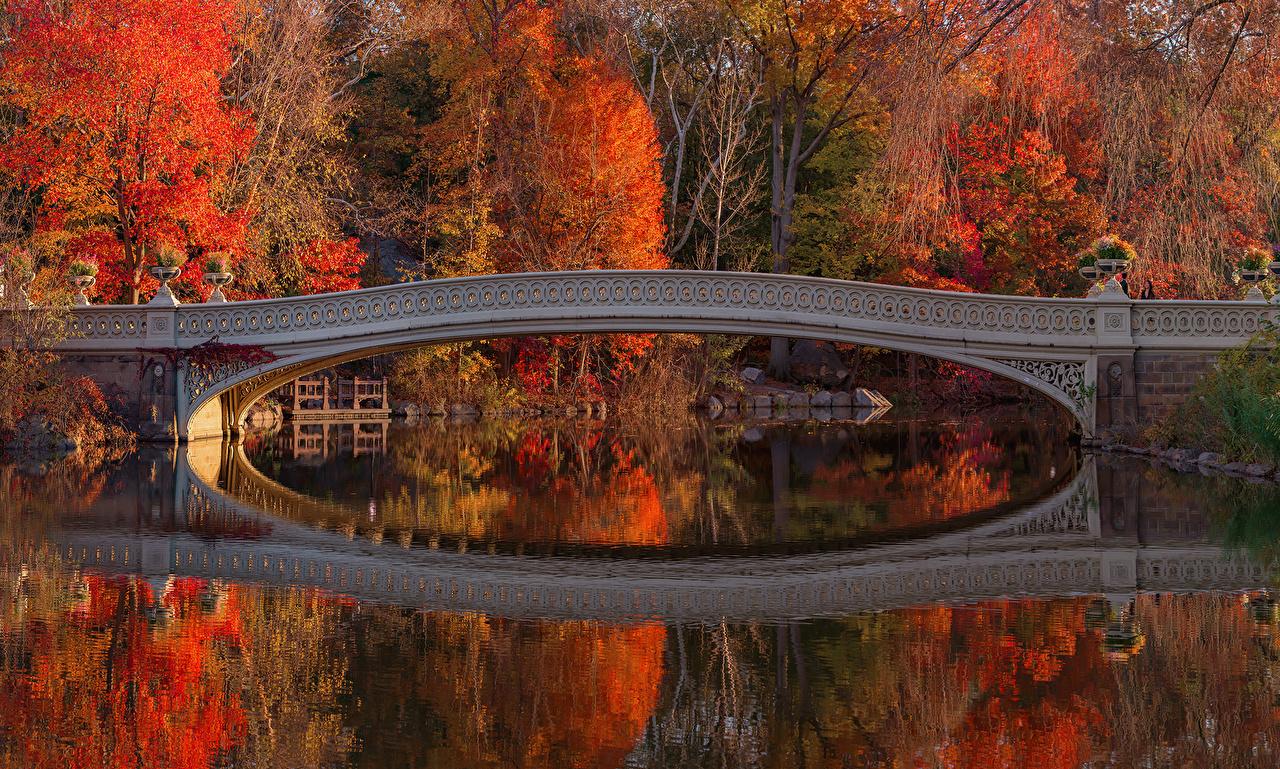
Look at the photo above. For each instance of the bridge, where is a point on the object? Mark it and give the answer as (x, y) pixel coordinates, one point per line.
(1060, 545)
(1109, 361)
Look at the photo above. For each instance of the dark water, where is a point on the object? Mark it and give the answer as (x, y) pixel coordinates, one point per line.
(947, 593)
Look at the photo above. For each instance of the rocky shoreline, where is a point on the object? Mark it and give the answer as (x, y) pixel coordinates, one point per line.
(1186, 460)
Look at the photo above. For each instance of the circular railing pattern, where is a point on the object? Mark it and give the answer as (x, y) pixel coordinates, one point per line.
(1199, 319)
(616, 292)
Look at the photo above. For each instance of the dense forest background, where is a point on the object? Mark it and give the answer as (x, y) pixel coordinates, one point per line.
(324, 144)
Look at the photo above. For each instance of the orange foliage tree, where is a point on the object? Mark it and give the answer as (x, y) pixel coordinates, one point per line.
(123, 127)
(554, 166)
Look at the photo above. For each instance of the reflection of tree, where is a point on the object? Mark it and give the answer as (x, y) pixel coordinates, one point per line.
(1204, 691)
(966, 471)
(588, 483)
(113, 675)
(1011, 683)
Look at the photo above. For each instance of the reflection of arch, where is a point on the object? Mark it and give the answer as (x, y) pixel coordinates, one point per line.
(1053, 547)
(1044, 510)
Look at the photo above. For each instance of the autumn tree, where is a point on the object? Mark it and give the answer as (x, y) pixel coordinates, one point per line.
(123, 127)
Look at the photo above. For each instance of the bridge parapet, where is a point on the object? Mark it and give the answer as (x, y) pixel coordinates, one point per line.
(1057, 346)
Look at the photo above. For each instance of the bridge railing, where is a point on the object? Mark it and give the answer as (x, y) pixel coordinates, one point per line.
(650, 296)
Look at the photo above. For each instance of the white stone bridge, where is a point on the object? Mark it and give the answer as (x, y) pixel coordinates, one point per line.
(1055, 547)
(1109, 361)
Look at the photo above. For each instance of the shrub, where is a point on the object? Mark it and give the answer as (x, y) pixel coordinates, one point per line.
(1108, 247)
(1254, 259)
(1235, 408)
(165, 255)
(80, 268)
(218, 262)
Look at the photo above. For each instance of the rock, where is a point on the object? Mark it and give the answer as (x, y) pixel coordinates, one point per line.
(817, 362)
(797, 400)
(463, 409)
(1235, 468)
(714, 407)
(1259, 469)
(751, 375)
(841, 400)
(821, 413)
(821, 400)
(762, 404)
(1181, 456)
(1209, 459)
(753, 435)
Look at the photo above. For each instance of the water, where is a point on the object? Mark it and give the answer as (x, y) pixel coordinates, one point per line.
(958, 593)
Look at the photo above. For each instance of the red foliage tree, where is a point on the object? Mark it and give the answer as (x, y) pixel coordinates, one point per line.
(123, 126)
(1024, 220)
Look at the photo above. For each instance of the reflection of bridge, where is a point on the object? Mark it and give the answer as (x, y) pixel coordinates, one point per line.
(316, 439)
(1054, 547)
(1072, 350)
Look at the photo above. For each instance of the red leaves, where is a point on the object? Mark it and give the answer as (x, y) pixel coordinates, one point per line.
(328, 265)
(125, 127)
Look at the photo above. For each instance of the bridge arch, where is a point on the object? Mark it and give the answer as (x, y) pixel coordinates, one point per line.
(1045, 344)
(1055, 346)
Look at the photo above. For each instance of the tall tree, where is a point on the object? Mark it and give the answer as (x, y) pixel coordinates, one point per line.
(123, 127)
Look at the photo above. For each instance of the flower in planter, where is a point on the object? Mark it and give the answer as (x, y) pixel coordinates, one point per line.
(15, 261)
(1254, 259)
(80, 268)
(1110, 247)
(217, 263)
(165, 255)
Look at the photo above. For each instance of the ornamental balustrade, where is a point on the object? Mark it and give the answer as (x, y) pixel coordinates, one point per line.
(1051, 345)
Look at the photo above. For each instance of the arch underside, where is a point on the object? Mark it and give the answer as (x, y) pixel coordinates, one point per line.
(1064, 376)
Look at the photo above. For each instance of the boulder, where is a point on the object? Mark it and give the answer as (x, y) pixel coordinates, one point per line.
(821, 413)
(1235, 468)
(751, 375)
(714, 407)
(797, 400)
(753, 435)
(841, 400)
(817, 362)
(762, 404)
(463, 409)
(1210, 459)
(820, 400)
(1259, 469)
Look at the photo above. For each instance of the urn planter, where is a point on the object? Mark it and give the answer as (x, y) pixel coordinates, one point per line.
(165, 295)
(217, 280)
(82, 283)
(1253, 278)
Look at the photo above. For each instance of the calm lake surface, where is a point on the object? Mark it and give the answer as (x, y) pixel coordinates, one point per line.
(968, 592)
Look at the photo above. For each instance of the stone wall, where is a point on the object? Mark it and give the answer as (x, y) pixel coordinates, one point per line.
(1165, 379)
(141, 389)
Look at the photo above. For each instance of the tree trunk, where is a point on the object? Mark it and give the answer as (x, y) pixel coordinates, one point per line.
(785, 168)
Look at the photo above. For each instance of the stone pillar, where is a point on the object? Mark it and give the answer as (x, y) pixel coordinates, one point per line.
(159, 410)
(1115, 393)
